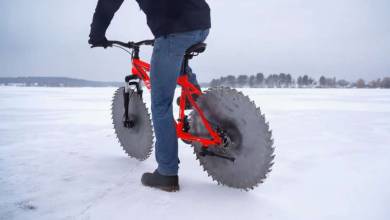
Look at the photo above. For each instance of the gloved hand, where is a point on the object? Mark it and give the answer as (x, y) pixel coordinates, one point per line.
(98, 42)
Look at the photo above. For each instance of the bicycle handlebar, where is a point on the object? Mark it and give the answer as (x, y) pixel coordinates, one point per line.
(132, 45)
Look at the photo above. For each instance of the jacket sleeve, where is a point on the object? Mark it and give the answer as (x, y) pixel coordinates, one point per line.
(102, 17)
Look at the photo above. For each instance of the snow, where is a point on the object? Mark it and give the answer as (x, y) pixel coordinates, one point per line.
(59, 159)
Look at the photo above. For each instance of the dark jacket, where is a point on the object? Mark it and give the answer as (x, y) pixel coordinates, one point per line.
(163, 16)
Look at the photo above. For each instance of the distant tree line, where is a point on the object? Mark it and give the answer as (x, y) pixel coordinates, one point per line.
(53, 82)
(283, 80)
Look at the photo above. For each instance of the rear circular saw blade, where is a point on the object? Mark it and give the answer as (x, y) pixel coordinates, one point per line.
(250, 140)
(137, 141)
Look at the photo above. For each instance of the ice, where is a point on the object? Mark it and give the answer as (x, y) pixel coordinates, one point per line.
(59, 159)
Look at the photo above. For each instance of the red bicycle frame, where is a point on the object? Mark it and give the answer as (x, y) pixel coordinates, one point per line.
(141, 69)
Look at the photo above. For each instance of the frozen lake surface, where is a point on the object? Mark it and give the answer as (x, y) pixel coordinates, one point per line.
(59, 159)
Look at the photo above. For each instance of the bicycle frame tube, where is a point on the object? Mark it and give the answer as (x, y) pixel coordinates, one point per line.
(188, 89)
(141, 69)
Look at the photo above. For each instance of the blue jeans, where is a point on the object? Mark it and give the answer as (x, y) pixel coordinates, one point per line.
(166, 63)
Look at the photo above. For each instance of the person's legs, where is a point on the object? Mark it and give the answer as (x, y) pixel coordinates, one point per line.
(165, 68)
(164, 71)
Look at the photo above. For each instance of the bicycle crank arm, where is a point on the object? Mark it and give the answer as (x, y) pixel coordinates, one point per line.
(206, 152)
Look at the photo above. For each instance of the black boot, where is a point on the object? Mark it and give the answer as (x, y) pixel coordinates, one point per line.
(156, 180)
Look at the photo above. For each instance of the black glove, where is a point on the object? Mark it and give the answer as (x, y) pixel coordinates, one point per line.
(102, 17)
(98, 42)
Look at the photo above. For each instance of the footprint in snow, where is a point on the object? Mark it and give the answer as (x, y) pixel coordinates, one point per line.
(26, 205)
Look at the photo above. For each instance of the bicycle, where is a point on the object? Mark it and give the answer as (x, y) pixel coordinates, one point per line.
(230, 136)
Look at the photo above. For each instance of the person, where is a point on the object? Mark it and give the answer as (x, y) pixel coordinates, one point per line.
(176, 26)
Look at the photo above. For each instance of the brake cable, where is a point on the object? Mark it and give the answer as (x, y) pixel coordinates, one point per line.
(127, 51)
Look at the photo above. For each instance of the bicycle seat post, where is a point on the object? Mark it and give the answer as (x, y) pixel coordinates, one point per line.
(185, 65)
(194, 50)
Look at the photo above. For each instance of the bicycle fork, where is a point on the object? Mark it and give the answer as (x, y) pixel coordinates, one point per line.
(129, 121)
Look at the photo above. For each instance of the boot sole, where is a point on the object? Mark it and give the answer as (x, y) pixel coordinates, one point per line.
(170, 188)
(166, 188)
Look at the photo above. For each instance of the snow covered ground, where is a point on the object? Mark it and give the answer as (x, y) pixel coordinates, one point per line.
(59, 159)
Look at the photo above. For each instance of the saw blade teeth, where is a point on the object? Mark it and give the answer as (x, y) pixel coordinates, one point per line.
(246, 181)
(259, 111)
(269, 134)
(144, 147)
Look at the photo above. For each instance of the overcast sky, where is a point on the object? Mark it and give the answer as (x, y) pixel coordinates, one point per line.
(343, 38)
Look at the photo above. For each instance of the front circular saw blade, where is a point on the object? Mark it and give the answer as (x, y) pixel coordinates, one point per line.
(251, 140)
(137, 142)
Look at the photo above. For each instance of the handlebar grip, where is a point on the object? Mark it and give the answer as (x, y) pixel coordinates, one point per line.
(101, 45)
